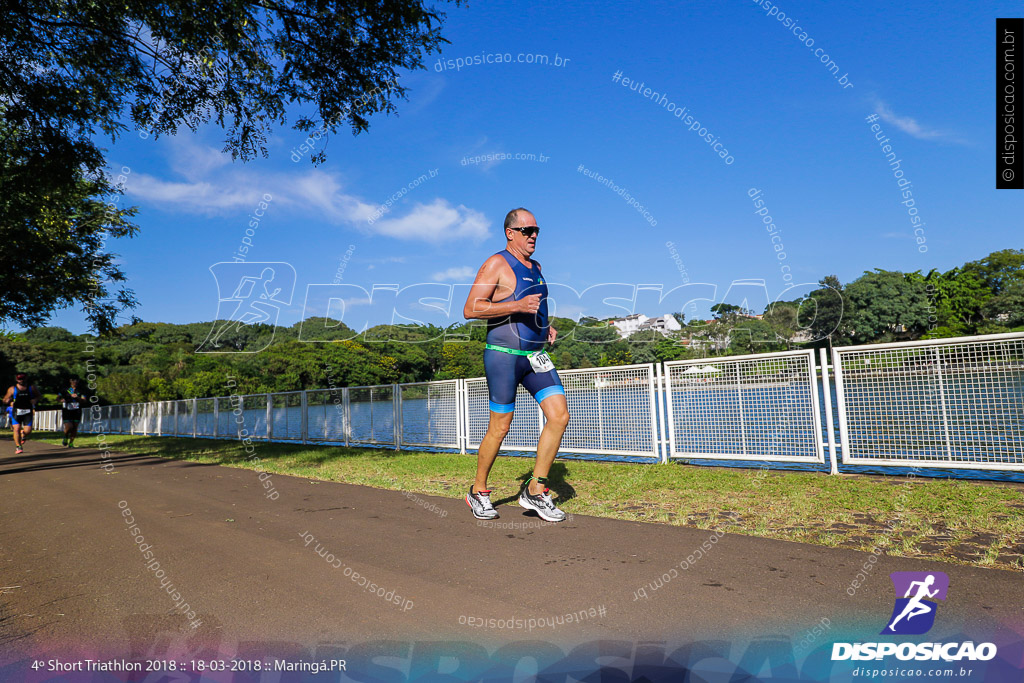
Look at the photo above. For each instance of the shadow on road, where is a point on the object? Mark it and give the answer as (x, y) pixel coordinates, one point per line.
(556, 482)
(36, 459)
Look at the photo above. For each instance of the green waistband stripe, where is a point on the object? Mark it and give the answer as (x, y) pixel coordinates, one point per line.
(516, 352)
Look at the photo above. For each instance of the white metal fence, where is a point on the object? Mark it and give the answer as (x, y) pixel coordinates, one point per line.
(757, 407)
(941, 403)
(612, 413)
(946, 402)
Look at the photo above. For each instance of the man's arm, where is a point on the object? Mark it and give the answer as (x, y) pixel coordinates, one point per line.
(479, 304)
(7, 396)
(552, 332)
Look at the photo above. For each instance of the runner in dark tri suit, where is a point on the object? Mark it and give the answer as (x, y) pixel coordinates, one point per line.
(22, 398)
(511, 295)
(73, 399)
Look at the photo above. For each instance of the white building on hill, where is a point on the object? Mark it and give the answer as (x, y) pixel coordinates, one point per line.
(638, 322)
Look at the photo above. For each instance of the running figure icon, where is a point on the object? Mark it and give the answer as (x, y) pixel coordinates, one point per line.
(258, 292)
(915, 607)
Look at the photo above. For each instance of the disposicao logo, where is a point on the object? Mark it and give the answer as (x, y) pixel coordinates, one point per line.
(913, 614)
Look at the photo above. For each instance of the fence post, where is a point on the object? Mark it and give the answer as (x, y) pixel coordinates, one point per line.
(304, 418)
(600, 415)
(462, 420)
(176, 432)
(347, 417)
(396, 408)
(657, 421)
(216, 417)
(159, 418)
(827, 389)
(270, 416)
(670, 427)
(241, 413)
(336, 405)
(739, 398)
(195, 416)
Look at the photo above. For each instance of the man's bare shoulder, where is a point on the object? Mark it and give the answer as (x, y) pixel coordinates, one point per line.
(494, 263)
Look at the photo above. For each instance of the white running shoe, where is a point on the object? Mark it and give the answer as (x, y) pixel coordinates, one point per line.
(480, 503)
(541, 504)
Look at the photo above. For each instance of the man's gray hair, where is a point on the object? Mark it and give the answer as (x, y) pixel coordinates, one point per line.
(511, 216)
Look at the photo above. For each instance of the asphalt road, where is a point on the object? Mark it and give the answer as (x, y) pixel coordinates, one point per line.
(73, 578)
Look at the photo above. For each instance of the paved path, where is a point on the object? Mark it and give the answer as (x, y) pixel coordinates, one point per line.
(71, 573)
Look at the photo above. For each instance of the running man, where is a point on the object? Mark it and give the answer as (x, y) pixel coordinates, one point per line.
(915, 607)
(510, 294)
(22, 398)
(71, 412)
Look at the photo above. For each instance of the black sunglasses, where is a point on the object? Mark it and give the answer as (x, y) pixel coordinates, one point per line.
(528, 231)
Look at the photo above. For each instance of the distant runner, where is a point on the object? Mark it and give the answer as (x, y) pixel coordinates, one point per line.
(22, 397)
(510, 294)
(71, 413)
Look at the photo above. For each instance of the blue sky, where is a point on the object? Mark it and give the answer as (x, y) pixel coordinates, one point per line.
(793, 132)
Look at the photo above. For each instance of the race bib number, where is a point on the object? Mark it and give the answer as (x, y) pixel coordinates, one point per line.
(22, 411)
(541, 362)
(71, 405)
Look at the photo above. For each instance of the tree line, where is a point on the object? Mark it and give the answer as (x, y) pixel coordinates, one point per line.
(148, 361)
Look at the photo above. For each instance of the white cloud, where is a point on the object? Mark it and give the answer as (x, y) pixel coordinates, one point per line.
(484, 148)
(212, 186)
(197, 197)
(194, 161)
(461, 273)
(436, 222)
(908, 125)
(388, 259)
(323, 192)
(424, 94)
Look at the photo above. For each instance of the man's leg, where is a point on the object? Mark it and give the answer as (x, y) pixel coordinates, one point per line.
(17, 436)
(67, 430)
(556, 412)
(72, 433)
(497, 428)
(25, 431)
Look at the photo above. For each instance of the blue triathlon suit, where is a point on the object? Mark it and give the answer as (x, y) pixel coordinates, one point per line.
(519, 332)
(22, 401)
